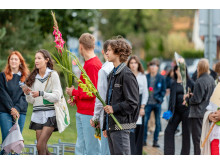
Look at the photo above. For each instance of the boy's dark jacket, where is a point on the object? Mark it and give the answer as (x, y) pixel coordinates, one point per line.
(124, 99)
(159, 89)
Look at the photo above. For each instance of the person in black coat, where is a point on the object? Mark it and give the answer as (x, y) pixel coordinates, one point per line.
(199, 100)
(180, 114)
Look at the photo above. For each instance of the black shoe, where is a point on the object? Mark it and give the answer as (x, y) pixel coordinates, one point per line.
(145, 144)
(156, 145)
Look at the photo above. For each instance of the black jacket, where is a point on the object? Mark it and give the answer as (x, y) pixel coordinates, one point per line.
(11, 95)
(172, 101)
(124, 99)
(203, 89)
(212, 73)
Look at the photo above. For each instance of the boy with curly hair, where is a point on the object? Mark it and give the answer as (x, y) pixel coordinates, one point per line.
(122, 99)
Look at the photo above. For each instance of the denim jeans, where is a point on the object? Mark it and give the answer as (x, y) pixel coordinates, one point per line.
(119, 142)
(157, 111)
(104, 145)
(86, 143)
(7, 121)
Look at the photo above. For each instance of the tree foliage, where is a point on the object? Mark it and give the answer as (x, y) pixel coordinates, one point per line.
(26, 30)
(147, 29)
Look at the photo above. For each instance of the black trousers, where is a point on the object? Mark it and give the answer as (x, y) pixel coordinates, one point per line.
(169, 142)
(196, 130)
(119, 142)
(137, 139)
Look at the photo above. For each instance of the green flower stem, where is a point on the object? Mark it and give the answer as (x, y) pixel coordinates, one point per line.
(113, 117)
(96, 94)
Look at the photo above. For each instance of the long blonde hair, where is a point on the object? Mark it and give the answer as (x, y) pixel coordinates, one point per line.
(203, 67)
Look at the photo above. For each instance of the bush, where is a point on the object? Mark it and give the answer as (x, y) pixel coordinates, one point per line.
(192, 54)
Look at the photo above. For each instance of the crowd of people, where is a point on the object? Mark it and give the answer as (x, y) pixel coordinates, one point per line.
(130, 93)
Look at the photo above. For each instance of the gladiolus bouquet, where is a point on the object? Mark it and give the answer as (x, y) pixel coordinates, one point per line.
(88, 86)
(64, 61)
(62, 57)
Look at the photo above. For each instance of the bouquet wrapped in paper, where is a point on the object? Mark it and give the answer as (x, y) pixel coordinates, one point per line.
(182, 65)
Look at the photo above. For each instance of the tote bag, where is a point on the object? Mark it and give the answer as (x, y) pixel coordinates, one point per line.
(62, 112)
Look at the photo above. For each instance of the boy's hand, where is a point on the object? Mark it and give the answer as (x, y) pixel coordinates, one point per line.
(69, 90)
(108, 109)
(69, 101)
(105, 134)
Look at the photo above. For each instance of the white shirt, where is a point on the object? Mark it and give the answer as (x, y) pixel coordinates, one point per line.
(143, 90)
(48, 70)
(215, 134)
(102, 87)
(19, 73)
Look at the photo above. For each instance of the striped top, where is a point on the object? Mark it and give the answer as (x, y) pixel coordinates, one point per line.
(43, 106)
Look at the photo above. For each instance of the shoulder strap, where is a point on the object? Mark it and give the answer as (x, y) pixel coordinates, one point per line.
(47, 80)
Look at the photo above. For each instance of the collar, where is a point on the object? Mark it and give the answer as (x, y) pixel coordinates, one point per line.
(119, 68)
(19, 73)
(45, 75)
(115, 69)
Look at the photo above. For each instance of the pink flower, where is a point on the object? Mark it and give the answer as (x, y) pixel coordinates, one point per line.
(58, 39)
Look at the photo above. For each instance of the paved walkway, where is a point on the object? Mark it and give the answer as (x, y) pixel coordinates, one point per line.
(149, 150)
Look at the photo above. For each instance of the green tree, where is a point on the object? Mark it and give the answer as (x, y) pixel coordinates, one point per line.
(146, 29)
(26, 30)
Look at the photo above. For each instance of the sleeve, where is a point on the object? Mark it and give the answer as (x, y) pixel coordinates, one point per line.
(163, 88)
(93, 75)
(198, 94)
(145, 94)
(56, 89)
(102, 88)
(171, 98)
(29, 99)
(4, 96)
(131, 94)
(21, 104)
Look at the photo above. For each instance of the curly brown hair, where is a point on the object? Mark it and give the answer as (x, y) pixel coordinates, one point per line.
(30, 80)
(122, 48)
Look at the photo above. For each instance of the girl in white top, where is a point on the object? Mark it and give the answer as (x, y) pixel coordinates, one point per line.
(137, 136)
(44, 89)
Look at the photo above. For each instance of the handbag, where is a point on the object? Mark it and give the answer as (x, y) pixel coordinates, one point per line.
(167, 115)
(62, 112)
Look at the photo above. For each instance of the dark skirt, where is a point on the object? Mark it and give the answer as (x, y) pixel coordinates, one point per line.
(51, 122)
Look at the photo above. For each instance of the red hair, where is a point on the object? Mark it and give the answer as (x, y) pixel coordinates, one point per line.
(22, 68)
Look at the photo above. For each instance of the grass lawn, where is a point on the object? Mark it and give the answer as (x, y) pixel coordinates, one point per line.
(69, 135)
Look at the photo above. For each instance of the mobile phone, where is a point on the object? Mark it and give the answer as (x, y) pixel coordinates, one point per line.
(24, 86)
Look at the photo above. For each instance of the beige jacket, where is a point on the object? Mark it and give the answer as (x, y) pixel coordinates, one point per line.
(206, 125)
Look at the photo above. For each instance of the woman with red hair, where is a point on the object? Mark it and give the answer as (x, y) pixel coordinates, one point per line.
(13, 102)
